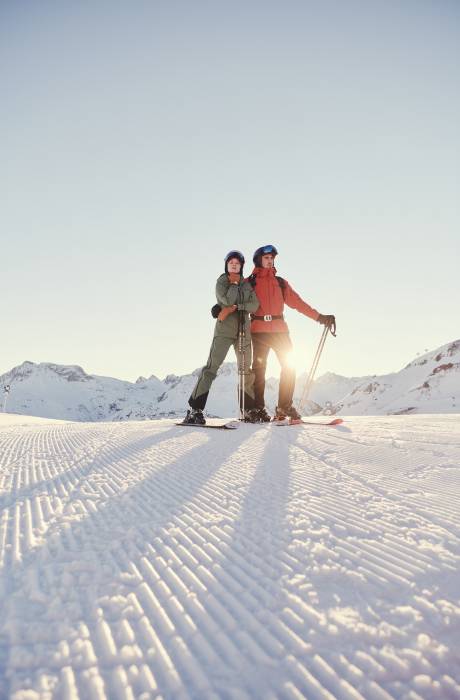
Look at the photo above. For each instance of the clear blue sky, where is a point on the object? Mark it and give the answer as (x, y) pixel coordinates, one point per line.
(140, 141)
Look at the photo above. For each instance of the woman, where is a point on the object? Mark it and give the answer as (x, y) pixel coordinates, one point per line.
(237, 299)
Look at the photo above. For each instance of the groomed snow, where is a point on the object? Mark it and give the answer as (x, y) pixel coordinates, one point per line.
(144, 560)
(16, 419)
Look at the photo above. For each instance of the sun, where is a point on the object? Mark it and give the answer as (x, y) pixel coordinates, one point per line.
(294, 359)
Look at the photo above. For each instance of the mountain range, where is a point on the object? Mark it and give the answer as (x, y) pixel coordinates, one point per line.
(429, 384)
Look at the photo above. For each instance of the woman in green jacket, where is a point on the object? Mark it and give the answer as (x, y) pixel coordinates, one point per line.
(237, 300)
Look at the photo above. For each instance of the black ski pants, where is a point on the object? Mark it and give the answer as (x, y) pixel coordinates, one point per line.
(281, 343)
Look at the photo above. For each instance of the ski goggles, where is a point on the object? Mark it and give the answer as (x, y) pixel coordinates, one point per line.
(266, 249)
(235, 254)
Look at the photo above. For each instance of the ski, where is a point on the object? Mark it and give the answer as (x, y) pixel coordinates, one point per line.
(335, 421)
(228, 425)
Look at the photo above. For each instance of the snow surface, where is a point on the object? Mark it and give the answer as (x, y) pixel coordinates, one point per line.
(145, 560)
(18, 419)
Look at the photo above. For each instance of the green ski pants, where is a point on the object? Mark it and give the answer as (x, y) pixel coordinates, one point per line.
(219, 349)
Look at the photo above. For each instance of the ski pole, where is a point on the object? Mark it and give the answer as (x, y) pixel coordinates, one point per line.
(241, 363)
(238, 369)
(314, 367)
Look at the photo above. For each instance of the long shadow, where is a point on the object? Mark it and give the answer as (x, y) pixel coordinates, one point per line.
(169, 488)
(263, 513)
(257, 548)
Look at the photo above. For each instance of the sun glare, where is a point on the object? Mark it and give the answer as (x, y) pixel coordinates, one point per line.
(294, 359)
(290, 359)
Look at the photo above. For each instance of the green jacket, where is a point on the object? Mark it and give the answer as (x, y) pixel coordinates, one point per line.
(244, 296)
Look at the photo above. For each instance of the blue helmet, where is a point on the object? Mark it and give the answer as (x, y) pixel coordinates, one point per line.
(234, 254)
(263, 250)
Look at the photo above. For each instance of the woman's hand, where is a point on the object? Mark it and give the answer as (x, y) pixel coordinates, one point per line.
(226, 311)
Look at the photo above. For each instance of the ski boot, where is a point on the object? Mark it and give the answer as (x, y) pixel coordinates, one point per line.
(293, 415)
(282, 414)
(194, 417)
(263, 415)
(251, 415)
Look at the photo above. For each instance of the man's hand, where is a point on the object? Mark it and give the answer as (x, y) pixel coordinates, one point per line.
(234, 277)
(327, 320)
(226, 311)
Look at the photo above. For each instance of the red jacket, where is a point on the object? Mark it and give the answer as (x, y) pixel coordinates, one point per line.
(272, 299)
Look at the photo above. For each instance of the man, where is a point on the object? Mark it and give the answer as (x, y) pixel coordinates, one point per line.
(270, 331)
(237, 298)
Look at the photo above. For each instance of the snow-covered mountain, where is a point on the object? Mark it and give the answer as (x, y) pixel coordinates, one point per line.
(330, 387)
(429, 384)
(67, 392)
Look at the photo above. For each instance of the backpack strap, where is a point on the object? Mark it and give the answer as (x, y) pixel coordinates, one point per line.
(281, 282)
(252, 279)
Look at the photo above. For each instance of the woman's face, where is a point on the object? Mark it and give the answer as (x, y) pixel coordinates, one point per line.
(233, 265)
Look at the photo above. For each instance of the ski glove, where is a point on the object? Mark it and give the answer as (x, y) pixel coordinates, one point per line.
(327, 320)
(234, 277)
(226, 311)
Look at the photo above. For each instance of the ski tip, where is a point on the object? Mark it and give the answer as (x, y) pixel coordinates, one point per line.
(217, 426)
(335, 421)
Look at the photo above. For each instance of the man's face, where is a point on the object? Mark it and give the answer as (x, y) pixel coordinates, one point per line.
(233, 265)
(268, 260)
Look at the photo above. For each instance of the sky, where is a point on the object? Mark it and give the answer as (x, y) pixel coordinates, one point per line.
(141, 141)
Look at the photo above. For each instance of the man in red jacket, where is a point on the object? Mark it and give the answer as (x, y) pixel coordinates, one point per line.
(269, 331)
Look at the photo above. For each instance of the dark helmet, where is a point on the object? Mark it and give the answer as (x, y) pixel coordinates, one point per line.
(263, 250)
(234, 254)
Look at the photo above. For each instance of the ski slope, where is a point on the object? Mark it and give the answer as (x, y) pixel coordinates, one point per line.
(144, 560)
